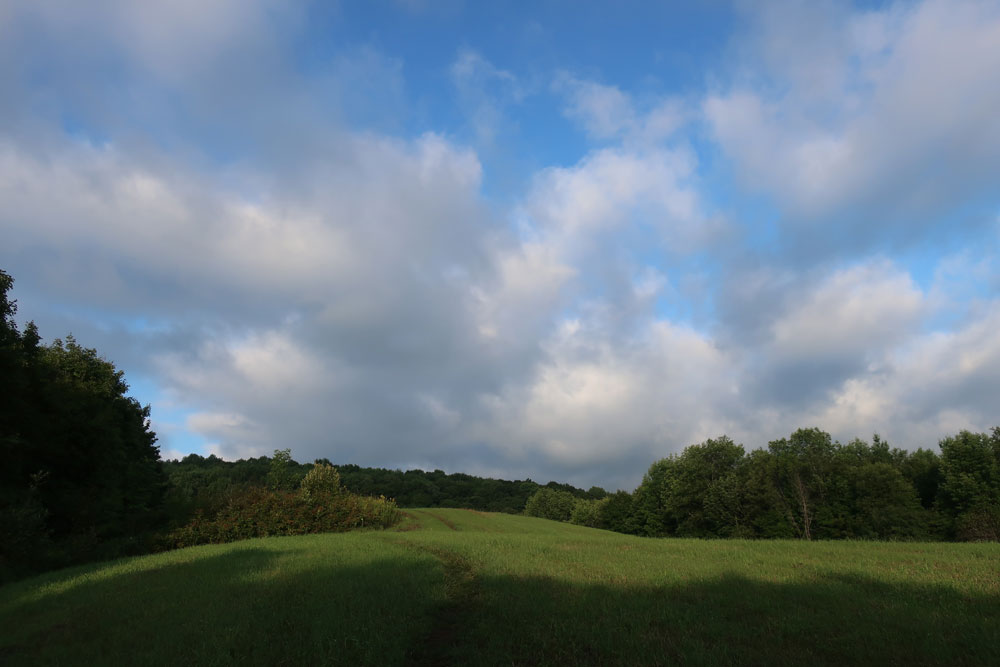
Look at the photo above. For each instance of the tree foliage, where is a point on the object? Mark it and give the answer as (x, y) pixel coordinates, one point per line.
(587, 512)
(279, 475)
(82, 476)
(206, 482)
(549, 503)
(811, 487)
(320, 484)
(970, 471)
(717, 488)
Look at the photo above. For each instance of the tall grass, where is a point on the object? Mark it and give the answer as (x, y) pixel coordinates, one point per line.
(459, 587)
(552, 593)
(318, 599)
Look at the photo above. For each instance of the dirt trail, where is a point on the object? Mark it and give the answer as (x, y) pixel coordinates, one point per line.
(441, 519)
(436, 647)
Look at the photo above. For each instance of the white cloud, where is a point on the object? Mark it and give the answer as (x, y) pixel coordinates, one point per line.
(892, 110)
(932, 385)
(606, 112)
(841, 326)
(353, 295)
(853, 354)
(390, 198)
(596, 402)
(855, 312)
(529, 285)
(614, 188)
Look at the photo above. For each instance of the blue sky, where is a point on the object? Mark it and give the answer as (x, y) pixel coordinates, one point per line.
(549, 240)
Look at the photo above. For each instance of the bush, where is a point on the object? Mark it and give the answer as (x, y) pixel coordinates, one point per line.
(321, 483)
(259, 512)
(980, 524)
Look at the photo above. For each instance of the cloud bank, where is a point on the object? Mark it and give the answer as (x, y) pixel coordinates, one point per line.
(286, 259)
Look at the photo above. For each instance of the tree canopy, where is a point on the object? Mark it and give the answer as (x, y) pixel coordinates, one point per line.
(81, 475)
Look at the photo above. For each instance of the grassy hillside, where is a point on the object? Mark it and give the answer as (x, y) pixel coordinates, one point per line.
(459, 587)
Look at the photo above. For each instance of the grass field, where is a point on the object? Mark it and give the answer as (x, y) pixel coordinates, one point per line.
(459, 587)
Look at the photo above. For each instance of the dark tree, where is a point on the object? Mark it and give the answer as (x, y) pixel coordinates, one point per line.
(616, 512)
(82, 474)
(802, 464)
(969, 491)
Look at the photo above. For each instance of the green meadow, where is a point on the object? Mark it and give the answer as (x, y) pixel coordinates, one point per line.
(466, 588)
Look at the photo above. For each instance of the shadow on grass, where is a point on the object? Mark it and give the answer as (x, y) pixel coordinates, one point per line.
(245, 606)
(242, 606)
(731, 620)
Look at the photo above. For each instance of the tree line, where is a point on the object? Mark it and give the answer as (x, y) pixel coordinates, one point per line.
(205, 482)
(805, 486)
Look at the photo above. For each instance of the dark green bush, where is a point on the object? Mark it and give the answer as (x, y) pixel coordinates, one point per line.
(980, 524)
(259, 512)
(548, 503)
(587, 512)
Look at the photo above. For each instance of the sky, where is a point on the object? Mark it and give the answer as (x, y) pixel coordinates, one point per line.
(546, 240)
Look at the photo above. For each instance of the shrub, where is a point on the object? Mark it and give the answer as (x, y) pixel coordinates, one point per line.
(259, 512)
(321, 483)
(980, 524)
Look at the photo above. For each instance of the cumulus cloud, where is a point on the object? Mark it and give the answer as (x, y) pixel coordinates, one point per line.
(610, 185)
(598, 402)
(855, 311)
(834, 330)
(99, 208)
(934, 383)
(606, 112)
(289, 274)
(868, 121)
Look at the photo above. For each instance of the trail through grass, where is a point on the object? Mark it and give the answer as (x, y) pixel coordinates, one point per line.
(461, 587)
